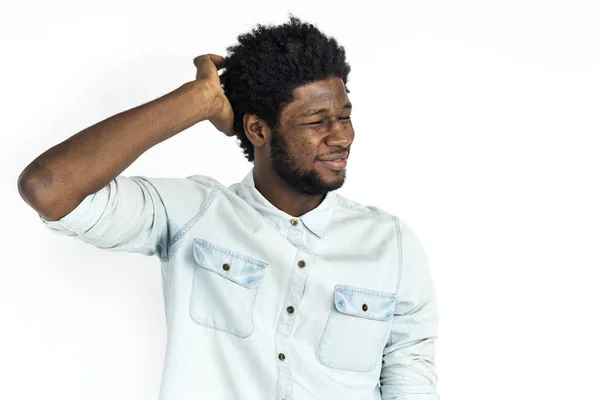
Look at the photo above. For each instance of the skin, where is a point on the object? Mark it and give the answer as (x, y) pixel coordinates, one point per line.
(287, 171)
(58, 180)
(286, 167)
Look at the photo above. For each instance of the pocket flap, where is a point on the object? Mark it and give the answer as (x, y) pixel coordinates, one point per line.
(237, 267)
(364, 303)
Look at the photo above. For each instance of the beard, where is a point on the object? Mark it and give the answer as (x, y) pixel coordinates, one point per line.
(304, 181)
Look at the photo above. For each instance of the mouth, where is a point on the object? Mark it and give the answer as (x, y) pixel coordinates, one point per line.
(335, 165)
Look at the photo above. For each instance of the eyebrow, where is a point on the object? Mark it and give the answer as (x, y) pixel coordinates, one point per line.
(311, 112)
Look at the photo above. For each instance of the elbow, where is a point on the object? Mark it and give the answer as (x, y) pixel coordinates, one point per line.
(35, 185)
(28, 187)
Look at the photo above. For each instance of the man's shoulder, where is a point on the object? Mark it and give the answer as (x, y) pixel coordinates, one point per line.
(183, 194)
(403, 230)
(168, 186)
(204, 180)
(367, 210)
(188, 180)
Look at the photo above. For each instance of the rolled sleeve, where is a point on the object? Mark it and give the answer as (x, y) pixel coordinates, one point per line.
(408, 369)
(126, 215)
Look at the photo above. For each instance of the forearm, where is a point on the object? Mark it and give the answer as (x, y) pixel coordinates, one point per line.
(56, 181)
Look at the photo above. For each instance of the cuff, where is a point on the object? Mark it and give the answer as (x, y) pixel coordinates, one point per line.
(83, 217)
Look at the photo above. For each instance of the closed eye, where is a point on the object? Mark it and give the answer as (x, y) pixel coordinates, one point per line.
(315, 123)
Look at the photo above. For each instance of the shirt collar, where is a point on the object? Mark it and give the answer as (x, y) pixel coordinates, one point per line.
(316, 220)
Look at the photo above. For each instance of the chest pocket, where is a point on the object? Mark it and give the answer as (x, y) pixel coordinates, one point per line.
(224, 288)
(357, 329)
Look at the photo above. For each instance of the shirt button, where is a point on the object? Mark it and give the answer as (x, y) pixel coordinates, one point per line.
(226, 267)
(290, 310)
(301, 264)
(365, 307)
(294, 222)
(281, 356)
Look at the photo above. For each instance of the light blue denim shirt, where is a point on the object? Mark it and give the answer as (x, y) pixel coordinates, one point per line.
(335, 304)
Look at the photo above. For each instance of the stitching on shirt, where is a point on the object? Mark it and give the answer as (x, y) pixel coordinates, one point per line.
(188, 225)
(286, 327)
(337, 202)
(229, 278)
(320, 349)
(400, 251)
(368, 292)
(232, 330)
(400, 266)
(349, 205)
(168, 288)
(233, 253)
(361, 210)
(290, 383)
(163, 253)
(345, 288)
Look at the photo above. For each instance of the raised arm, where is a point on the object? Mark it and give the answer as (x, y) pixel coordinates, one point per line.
(60, 178)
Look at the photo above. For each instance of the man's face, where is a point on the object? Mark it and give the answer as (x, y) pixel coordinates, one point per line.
(314, 129)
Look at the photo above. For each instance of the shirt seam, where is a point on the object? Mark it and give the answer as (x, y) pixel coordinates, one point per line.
(385, 216)
(332, 216)
(163, 254)
(400, 265)
(192, 221)
(400, 254)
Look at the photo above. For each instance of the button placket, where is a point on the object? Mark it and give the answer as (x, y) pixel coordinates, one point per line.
(290, 309)
(295, 234)
(287, 318)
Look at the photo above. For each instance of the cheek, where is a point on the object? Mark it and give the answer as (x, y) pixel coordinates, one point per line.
(303, 145)
(310, 149)
(305, 149)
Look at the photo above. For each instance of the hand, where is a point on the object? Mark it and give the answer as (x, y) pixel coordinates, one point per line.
(221, 115)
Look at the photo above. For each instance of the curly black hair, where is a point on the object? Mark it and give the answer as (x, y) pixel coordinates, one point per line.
(269, 62)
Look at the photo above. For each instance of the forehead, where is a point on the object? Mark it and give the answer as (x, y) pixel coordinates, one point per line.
(328, 93)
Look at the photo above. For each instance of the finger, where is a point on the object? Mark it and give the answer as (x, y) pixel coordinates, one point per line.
(226, 122)
(218, 60)
(200, 59)
(205, 66)
(223, 121)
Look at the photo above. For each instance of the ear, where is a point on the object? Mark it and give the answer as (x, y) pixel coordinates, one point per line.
(256, 130)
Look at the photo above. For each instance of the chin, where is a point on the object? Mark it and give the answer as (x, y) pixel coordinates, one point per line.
(334, 179)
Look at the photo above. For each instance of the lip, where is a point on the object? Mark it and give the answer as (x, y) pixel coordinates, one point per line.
(335, 165)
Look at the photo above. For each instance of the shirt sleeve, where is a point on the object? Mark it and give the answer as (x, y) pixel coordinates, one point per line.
(408, 369)
(126, 215)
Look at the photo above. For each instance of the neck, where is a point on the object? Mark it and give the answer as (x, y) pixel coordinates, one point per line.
(281, 195)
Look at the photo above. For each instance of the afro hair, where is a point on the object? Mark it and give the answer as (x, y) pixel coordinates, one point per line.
(269, 62)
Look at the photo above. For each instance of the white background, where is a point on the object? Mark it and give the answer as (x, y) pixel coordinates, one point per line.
(477, 123)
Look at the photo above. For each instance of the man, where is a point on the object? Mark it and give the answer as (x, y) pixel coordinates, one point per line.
(275, 287)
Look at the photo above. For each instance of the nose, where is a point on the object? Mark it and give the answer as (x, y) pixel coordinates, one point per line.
(340, 135)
